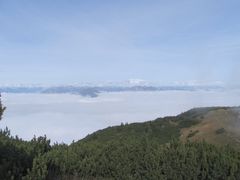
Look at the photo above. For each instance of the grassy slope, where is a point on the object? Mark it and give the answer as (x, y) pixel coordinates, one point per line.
(219, 127)
(216, 125)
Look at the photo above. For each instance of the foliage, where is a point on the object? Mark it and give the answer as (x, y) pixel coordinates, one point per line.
(17, 156)
(193, 133)
(2, 108)
(140, 160)
(149, 150)
(220, 131)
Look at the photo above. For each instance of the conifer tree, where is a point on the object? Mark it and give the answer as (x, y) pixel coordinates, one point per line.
(2, 108)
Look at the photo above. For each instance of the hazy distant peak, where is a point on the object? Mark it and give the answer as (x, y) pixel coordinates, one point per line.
(137, 82)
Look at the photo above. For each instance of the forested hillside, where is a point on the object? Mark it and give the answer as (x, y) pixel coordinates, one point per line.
(180, 147)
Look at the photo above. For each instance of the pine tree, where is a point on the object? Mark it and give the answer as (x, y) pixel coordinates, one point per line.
(2, 108)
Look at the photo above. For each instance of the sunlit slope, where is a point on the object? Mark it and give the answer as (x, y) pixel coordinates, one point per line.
(220, 126)
(217, 125)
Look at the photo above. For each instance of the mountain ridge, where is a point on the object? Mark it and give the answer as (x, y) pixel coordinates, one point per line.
(94, 91)
(208, 124)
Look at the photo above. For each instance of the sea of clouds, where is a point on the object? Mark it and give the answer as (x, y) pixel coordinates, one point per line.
(65, 117)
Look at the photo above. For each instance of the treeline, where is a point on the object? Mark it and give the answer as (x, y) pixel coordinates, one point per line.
(17, 156)
(142, 159)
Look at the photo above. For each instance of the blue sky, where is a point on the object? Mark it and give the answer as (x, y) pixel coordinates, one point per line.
(71, 41)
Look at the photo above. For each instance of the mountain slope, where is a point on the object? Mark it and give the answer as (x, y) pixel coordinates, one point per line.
(151, 150)
(221, 126)
(166, 148)
(216, 125)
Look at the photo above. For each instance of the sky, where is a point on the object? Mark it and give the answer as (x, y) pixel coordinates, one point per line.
(74, 41)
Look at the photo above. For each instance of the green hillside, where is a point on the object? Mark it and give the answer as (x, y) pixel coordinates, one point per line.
(202, 143)
(217, 125)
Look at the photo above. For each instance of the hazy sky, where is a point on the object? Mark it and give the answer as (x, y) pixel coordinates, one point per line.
(69, 41)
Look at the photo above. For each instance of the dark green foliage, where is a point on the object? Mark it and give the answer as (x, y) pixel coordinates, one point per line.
(141, 160)
(135, 159)
(161, 130)
(16, 155)
(149, 150)
(220, 131)
(193, 133)
(2, 108)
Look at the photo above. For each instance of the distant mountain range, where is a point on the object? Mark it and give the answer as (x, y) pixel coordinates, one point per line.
(94, 91)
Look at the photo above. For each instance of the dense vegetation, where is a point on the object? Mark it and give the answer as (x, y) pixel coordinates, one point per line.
(1, 108)
(142, 159)
(150, 150)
